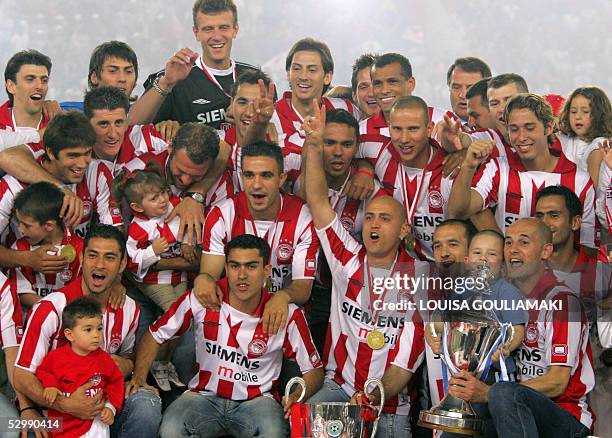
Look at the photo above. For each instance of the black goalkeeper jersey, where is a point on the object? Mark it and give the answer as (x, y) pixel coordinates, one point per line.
(197, 98)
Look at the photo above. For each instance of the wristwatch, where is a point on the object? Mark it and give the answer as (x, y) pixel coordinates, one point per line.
(196, 196)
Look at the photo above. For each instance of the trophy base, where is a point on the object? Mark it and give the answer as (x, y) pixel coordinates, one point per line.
(447, 423)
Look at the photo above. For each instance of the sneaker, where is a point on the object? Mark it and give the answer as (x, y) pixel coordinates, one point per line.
(159, 371)
(173, 376)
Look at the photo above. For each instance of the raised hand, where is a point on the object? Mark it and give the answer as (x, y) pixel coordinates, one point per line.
(314, 125)
(477, 153)
(178, 67)
(263, 107)
(606, 151)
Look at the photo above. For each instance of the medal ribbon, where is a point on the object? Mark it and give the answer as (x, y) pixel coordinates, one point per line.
(411, 209)
(371, 293)
(212, 77)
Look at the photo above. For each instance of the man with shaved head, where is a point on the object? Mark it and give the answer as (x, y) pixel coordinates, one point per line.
(364, 332)
(554, 361)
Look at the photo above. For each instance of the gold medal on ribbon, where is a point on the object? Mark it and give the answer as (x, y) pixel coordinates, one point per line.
(268, 284)
(409, 242)
(376, 340)
(69, 252)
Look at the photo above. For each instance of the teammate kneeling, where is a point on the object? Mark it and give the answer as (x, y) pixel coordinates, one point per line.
(239, 364)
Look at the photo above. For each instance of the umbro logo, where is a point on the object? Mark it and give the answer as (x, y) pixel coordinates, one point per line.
(201, 101)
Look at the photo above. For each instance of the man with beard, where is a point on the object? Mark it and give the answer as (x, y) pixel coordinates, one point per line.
(104, 259)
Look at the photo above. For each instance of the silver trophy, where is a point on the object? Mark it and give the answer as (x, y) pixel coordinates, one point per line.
(335, 419)
(468, 339)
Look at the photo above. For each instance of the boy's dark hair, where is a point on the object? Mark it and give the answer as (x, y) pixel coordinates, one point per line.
(509, 78)
(41, 201)
(68, 130)
(104, 231)
(364, 61)
(479, 89)
(392, 58)
(105, 98)
(263, 149)
(201, 142)
(250, 76)
(469, 64)
(84, 307)
(110, 49)
(468, 227)
(572, 202)
(209, 7)
(19, 59)
(249, 241)
(343, 117)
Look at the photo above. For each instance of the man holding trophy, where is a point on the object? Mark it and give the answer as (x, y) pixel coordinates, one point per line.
(362, 335)
(554, 362)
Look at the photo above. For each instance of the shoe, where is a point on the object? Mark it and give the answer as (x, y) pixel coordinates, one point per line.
(173, 376)
(159, 371)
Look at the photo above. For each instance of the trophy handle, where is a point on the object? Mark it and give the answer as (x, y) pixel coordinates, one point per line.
(378, 383)
(290, 384)
(509, 336)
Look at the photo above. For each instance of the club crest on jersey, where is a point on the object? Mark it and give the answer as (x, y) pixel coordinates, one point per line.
(348, 223)
(114, 345)
(257, 347)
(66, 275)
(435, 199)
(284, 252)
(95, 379)
(86, 208)
(531, 334)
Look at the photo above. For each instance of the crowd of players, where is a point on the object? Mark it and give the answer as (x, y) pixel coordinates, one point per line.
(231, 238)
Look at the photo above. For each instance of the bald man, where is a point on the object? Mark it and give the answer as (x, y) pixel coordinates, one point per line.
(363, 330)
(554, 361)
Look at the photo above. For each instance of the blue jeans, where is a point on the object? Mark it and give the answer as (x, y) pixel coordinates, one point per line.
(389, 425)
(197, 415)
(7, 411)
(140, 416)
(519, 411)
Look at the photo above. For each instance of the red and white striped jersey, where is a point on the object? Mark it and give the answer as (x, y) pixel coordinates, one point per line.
(559, 338)
(141, 234)
(506, 183)
(223, 189)
(288, 122)
(11, 321)
(137, 140)
(7, 122)
(24, 280)
(236, 359)
(43, 329)
(349, 360)
(292, 239)
(406, 183)
(93, 190)
(501, 147)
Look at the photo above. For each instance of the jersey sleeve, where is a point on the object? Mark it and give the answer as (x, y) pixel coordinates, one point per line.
(114, 389)
(485, 182)
(42, 326)
(215, 233)
(107, 211)
(564, 335)
(45, 372)
(604, 196)
(21, 136)
(410, 348)
(146, 139)
(175, 321)
(304, 262)
(140, 251)
(338, 245)
(298, 342)
(11, 326)
(7, 201)
(587, 228)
